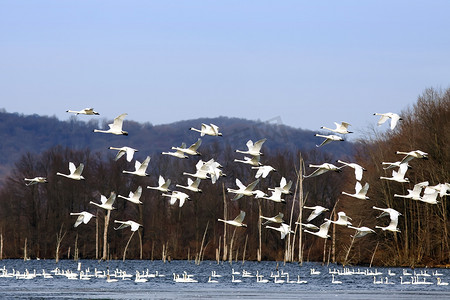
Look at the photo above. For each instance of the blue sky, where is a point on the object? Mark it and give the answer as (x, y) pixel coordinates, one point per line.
(308, 63)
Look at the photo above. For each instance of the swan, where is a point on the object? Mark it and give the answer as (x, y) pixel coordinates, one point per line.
(177, 195)
(106, 203)
(362, 231)
(237, 221)
(263, 171)
(210, 129)
(212, 280)
(178, 153)
(343, 219)
(284, 187)
(399, 175)
(83, 217)
(375, 281)
(392, 165)
(333, 280)
(75, 173)
(360, 191)
(430, 198)
(140, 168)
(123, 224)
(411, 155)
(192, 150)
(323, 230)
(86, 111)
(328, 139)
(414, 194)
(235, 280)
(192, 185)
(385, 116)
(124, 150)
(134, 197)
(243, 190)
(393, 214)
(253, 148)
(440, 282)
(313, 271)
(254, 161)
(115, 127)
(163, 185)
(277, 219)
(442, 188)
(340, 128)
(284, 229)
(323, 168)
(404, 282)
(212, 168)
(259, 279)
(201, 171)
(309, 226)
(358, 169)
(35, 180)
(275, 197)
(317, 210)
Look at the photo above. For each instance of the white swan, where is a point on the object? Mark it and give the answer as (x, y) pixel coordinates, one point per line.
(140, 168)
(263, 171)
(178, 153)
(86, 111)
(192, 185)
(124, 150)
(430, 198)
(210, 129)
(323, 230)
(106, 203)
(384, 117)
(253, 161)
(284, 229)
(253, 148)
(163, 185)
(277, 219)
(115, 127)
(134, 197)
(411, 155)
(83, 217)
(275, 197)
(284, 186)
(237, 221)
(309, 226)
(328, 139)
(398, 176)
(177, 195)
(75, 172)
(393, 214)
(414, 194)
(123, 224)
(321, 169)
(360, 191)
(201, 171)
(343, 219)
(192, 150)
(334, 281)
(243, 190)
(340, 128)
(362, 231)
(440, 282)
(358, 169)
(317, 210)
(35, 180)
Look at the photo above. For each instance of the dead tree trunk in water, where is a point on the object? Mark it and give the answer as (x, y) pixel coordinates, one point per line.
(59, 237)
(105, 236)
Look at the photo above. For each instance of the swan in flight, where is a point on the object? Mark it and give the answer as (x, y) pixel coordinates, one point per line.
(277, 219)
(202, 171)
(192, 185)
(243, 190)
(163, 185)
(237, 221)
(106, 203)
(254, 161)
(275, 197)
(358, 169)
(323, 230)
(323, 168)
(340, 128)
(253, 148)
(75, 173)
(360, 191)
(124, 150)
(430, 198)
(192, 150)
(414, 194)
(392, 165)
(284, 187)
(178, 153)
(328, 139)
(115, 127)
(343, 219)
(317, 210)
(177, 195)
(384, 117)
(399, 175)
(442, 188)
(309, 226)
(393, 214)
(35, 180)
(140, 168)
(83, 217)
(284, 229)
(411, 155)
(263, 171)
(362, 231)
(210, 129)
(86, 111)
(134, 197)
(213, 169)
(123, 224)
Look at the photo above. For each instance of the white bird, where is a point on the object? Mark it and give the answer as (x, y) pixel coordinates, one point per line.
(317, 210)
(201, 171)
(430, 198)
(106, 203)
(75, 172)
(309, 226)
(253, 148)
(442, 188)
(384, 117)
(192, 185)
(237, 221)
(243, 190)
(361, 231)
(284, 187)
(358, 169)
(115, 127)
(412, 154)
(284, 229)
(343, 219)
(86, 111)
(163, 185)
(140, 168)
(340, 128)
(192, 150)
(399, 175)
(263, 171)
(134, 197)
(83, 217)
(277, 219)
(253, 161)
(360, 191)
(275, 197)
(124, 150)
(178, 153)
(393, 214)
(321, 169)
(392, 165)
(123, 224)
(212, 168)
(177, 195)
(210, 129)
(35, 180)
(334, 281)
(328, 139)
(414, 194)
(323, 230)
